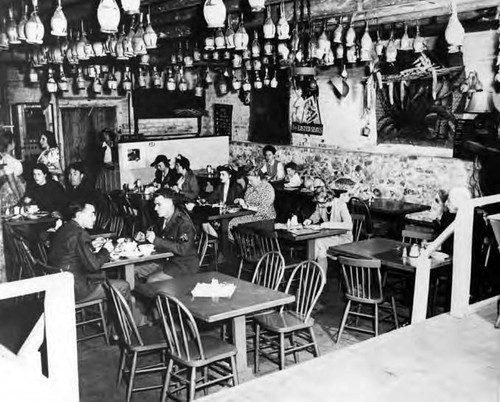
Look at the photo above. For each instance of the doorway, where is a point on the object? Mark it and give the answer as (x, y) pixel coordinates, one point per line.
(81, 127)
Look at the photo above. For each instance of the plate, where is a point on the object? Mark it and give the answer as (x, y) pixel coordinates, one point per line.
(37, 215)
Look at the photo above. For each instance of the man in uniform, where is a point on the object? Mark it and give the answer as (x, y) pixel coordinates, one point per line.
(173, 232)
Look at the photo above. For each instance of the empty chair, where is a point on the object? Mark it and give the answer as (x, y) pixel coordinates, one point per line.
(248, 247)
(293, 322)
(208, 247)
(195, 362)
(358, 207)
(269, 270)
(132, 346)
(363, 286)
(24, 258)
(414, 236)
(358, 222)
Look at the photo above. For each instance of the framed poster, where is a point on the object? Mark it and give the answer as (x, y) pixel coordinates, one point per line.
(304, 109)
(223, 119)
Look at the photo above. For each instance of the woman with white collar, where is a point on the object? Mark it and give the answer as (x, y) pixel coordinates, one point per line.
(272, 168)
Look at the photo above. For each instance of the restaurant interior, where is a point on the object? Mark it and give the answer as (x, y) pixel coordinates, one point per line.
(331, 169)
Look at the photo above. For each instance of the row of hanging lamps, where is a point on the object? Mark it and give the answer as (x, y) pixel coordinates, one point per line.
(34, 29)
(58, 22)
(214, 12)
(108, 16)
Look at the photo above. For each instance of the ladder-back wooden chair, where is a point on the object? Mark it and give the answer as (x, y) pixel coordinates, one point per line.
(248, 247)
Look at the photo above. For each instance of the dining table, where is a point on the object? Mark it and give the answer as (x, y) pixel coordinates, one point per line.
(247, 298)
(223, 214)
(394, 212)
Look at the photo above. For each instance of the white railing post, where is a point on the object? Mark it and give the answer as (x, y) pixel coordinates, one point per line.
(462, 261)
(421, 292)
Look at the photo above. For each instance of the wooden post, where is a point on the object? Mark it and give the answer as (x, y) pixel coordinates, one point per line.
(421, 293)
(462, 260)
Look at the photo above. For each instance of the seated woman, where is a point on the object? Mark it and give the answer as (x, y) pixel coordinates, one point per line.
(44, 192)
(50, 154)
(272, 167)
(227, 191)
(332, 213)
(292, 177)
(187, 184)
(164, 176)
(259, 197)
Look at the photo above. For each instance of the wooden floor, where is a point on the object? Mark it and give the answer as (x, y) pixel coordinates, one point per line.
(441, 359)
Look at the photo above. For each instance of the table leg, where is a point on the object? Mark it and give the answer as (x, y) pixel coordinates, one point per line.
(224, 226)
(130, 275)
(310, 249)
(240, 341)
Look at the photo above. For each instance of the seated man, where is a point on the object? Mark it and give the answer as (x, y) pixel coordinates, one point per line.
(71, 250)
(173, 232)
(78, 187)
(164, 176)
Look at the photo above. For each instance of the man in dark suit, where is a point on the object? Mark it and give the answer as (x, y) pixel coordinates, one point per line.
(79, 187)
(173, 232)
(72, 250)
(164, 176)
(227, 191)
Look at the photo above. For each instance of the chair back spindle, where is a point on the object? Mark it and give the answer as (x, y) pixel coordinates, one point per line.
(362, 279)
(270, 270)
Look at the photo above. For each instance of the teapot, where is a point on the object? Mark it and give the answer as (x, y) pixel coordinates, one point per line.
(414, 250)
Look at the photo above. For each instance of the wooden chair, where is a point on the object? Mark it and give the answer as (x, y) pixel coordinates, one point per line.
(24, 257)
(292, 322)
(363, 285)
(414, 236)
(249, 249)
(208, 246)
(88, 313)
(269, 271)
(132, 346)
(192, 353)
(358, 222)
(357, 206)
(116, 225)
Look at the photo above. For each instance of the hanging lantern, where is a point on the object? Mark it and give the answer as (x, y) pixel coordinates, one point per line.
(126, 82)
(144, 61)
(274, 81)
(33, 75)
(156, 78)
(58, 22)
(34, 29)
(236, 83)
(4, 39)
(246, 86)
(283, 50)
(198, 89)
(142, 78)
(338, 33)
(188, 58)
(63, 82)
(214, 12)
(150, 37)
(418, 42)
(22, 24)
(268, 48)
(171, 84)
(405, 43)
(323, 43)
(257, 83)
(112, 82)
(131, 6)
(267, 80)
(220, 41)
(51, 83)
(196, 53)
(98, 49)
(241, 37)
(255, 45)
(229, 35)
(111, 45)
(183, 85)
(366, 45)
(350, 36)
(210, 42)
(82, 45)
(208, 76)
(282, 27)
(379, 46)
(269, 28)
(455, 32)
(138, 39)
(128, 48)
(391, 51)
(108, 16)
(120, 45)
(97, 85)
(56, 55)
(11, 29)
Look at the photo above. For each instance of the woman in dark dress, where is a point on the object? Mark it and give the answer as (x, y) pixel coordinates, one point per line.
(227, 190)
(44, 192)
(187, 183)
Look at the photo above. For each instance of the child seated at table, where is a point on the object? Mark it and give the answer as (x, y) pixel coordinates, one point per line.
(292, 178)
(332, 213)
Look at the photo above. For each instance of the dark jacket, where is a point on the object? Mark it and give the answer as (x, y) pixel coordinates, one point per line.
(83, 192)
(190, 188)
(235, 191)
(71, 250)
(169, 180)
(49, 197)
(178, 237)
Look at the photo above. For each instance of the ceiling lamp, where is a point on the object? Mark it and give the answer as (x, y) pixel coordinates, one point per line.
(34, 29)
(108, 16)
(150, 37)
(22, 24)
(214, 12)
(12, 29)
(112, 82)
(256, 5)
(58, 22)
(51, 83)
(455, 32)
(138, 39)
(126, 82)
(131, 6)
(63, 82)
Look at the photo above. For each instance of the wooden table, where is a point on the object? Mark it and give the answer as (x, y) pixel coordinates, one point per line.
(246, 299)
(207, 213)
(129, 264)
(388, 251)
(394, 211)
(309, 237)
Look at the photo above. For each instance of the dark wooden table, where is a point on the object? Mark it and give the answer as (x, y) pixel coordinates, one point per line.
(394, 212)
(388, 251)
(208, 213)
(246, 299)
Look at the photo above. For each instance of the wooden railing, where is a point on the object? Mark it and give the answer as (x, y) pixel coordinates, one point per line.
(21, 377)
(461, 227)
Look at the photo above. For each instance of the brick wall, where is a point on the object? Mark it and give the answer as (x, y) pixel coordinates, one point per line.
(168, 126)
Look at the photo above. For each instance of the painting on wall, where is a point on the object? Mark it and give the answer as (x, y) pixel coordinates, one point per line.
(408, 113)
(304, 107)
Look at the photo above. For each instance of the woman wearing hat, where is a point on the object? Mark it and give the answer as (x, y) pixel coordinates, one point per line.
(227, 191)
(272, 167)
(164, 176)
(187, 183)
(332, 213)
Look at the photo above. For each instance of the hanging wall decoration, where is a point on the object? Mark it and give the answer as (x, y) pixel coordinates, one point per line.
(304, 106)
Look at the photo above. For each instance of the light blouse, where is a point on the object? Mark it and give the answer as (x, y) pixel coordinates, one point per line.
(50, 157)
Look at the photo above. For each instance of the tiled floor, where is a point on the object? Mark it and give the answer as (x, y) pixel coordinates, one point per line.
(98, 363)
